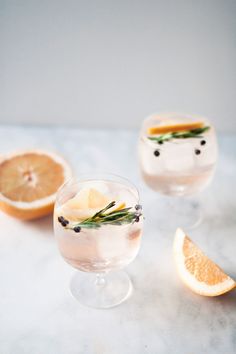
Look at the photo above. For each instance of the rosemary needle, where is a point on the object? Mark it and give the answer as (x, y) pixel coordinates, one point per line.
(104, 217)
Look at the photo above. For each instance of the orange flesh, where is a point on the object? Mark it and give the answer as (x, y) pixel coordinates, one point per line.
(30, 177)
(203, 269)
(174, 128)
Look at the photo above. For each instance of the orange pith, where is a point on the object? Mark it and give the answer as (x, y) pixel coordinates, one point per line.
(26, 214)
(163, 129)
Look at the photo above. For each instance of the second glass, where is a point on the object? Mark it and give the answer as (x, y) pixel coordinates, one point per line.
(177, 156)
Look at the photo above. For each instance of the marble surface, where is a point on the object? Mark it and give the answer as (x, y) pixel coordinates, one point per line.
(39, 316)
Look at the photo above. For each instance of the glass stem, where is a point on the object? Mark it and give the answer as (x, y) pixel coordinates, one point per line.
(100, 279)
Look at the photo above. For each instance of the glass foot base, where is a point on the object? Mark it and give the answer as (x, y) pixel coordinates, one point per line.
(102, 290)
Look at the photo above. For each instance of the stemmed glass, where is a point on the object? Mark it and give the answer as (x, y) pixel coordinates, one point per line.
(98, 227)
(177, 157)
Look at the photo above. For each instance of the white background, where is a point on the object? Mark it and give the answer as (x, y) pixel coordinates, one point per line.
(110, 63)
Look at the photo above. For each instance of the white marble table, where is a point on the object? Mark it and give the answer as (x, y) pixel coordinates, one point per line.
(39, 316)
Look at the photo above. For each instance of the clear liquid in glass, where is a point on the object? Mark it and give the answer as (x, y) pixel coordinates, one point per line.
(104, 249)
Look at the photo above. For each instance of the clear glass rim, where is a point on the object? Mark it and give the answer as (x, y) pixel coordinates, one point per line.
(177, 113)
(97, 176)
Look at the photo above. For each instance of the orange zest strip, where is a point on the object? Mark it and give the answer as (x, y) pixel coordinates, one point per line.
(174, 128)
(121, 206)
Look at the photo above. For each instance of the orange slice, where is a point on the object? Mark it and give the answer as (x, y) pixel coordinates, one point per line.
(29, 181)
(197, 271)
(163, 129)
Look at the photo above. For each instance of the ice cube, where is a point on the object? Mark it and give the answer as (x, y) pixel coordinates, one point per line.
(112, 242)
(178, 157)
(101, 186)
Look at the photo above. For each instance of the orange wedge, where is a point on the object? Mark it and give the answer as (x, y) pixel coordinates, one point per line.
(197, 271)
(29, 181)
(163, 129)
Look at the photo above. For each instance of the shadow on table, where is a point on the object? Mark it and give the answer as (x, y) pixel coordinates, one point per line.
(228, 299)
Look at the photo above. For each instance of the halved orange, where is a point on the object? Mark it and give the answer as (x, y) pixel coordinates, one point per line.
(29, 181)
(197, 271)
(170, 128)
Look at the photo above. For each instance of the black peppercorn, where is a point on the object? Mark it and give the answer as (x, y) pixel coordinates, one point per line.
(77, 229)
(197, 151)
(137, 218)
(160, 142)
(63, 221)
(203, 142)
(60, 219)
(156, 152)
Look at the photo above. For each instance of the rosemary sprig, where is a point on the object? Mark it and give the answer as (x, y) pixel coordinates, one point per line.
(194, 133)
(103, 217)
